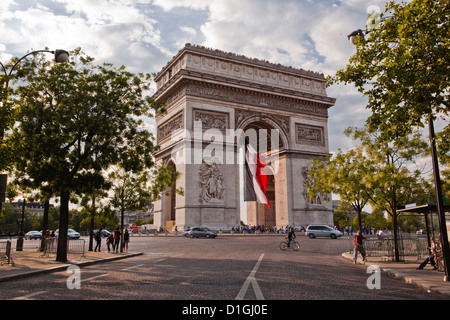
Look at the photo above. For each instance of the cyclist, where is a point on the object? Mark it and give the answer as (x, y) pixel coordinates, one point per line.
(291, 236)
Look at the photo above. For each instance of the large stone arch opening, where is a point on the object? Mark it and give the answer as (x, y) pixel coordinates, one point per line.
(269, 140)
(169, 203)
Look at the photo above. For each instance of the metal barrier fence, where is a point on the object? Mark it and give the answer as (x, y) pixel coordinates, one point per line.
(408, 245)
(74, 246)
(5, 251)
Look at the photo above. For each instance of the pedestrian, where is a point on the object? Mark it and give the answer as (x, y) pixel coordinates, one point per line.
(430, 258)
(98, 238)
(126, 239)
(116, 240)
(358, 242)
(110, 242)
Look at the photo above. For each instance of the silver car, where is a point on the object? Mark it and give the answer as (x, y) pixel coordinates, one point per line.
(322, 231)
(71, 234)
(197, 232)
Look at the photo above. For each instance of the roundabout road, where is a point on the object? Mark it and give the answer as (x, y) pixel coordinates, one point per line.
(226, 268)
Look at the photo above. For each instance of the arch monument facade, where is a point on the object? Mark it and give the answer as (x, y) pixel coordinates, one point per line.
(212, 101)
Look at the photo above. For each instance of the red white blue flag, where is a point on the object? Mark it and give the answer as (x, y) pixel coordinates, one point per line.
(255, 177)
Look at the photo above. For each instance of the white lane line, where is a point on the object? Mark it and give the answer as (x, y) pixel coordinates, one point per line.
(29, 295)
(251, 279)
(159, 260)
(92, 278)
(133, 267)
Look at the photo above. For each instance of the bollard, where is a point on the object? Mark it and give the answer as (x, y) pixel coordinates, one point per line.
(8, 250)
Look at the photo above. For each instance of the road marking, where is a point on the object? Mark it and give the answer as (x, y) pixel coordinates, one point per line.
(160, 260)
(251, 279)
(29, 295)
(133, 267)
(92, 278)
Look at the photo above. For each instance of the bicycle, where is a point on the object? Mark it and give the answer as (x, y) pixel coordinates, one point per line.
(294, 245)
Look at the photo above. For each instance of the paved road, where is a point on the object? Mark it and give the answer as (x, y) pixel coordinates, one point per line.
(225, 268)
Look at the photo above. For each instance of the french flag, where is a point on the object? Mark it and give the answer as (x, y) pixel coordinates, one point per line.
(255, 177)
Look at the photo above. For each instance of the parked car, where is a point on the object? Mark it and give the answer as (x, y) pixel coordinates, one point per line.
(313, 231)
(105, 233)
(186, 231)
(71, 234)
(197, 232)
(33, 235)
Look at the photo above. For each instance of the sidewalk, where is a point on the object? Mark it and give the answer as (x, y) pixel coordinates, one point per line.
(427, 278)
(30, 263)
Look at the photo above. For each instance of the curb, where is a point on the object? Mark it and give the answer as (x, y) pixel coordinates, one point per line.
(63, 267)
(405, 277)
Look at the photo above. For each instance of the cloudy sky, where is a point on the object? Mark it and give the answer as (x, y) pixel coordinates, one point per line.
(144, 35)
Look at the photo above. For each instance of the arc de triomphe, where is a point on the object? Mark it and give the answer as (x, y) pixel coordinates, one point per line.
(213, 99)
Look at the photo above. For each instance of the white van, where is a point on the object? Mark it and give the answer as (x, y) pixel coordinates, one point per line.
(313, 231)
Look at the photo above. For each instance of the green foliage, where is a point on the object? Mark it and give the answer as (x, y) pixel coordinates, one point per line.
(381, 173)
(130, 190)
(77, 119)
(341, 219)
(402, 66)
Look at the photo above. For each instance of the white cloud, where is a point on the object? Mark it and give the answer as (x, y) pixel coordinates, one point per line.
(144, 35)
(168, 5)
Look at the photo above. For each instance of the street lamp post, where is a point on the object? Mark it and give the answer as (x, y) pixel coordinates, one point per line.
(437, 181)
(60, 57)
(19, 244)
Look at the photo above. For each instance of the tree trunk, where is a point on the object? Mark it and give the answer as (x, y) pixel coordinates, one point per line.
(394, 225)
(61, 253)
(91, 232)
(121, 231)
(45, 225)
(91, 235)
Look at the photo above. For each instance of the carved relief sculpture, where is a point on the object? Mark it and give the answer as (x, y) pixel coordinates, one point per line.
(313, 199)
(211, 182)
(212, 120)
(165, 130)
(309, 134)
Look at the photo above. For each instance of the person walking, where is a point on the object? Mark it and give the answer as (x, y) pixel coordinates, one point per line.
(110, 242)
(116, 240)
(98, 238)
(430, 258)
(359, 247)
(126, 239)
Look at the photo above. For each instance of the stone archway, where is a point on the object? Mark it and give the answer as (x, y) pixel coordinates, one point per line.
(225, 93)
(170, 203)
(269, 140)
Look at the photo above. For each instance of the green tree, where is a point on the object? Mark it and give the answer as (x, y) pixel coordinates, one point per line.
(8, 116)
(90, 212)
(76, 119)
(393, 177)
(9, 218)
(130, 193)
(341, 219)
(343, 175)
(402, 66)
(375, 172)
(376, 220)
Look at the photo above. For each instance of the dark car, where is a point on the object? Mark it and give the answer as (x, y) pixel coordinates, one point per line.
(198, 232)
